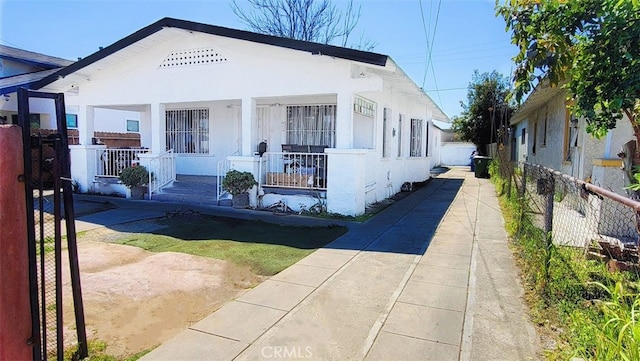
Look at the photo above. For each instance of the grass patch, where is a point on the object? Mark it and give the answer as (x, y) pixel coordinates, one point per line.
(264, 247)
(97, 352)
(587, 311)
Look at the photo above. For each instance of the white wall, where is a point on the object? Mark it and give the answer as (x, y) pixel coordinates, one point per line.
(111, 120)
(456, 153)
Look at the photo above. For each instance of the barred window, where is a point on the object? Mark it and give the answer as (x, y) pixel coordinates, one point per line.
(188, 130)
(416, 138)
(311, 125)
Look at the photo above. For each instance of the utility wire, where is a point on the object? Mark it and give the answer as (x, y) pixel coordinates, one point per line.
(426, 35)
(429, 59)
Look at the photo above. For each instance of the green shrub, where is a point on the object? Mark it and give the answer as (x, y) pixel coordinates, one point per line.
(236, 182)
(134, 176)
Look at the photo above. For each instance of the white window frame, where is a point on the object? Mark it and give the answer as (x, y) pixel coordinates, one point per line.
(127, 125)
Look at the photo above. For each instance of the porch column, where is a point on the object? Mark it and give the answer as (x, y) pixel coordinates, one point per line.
(146, 127)
(247, 125)
(84, 156)
(158, 128)
(344, 121)
(86, 126)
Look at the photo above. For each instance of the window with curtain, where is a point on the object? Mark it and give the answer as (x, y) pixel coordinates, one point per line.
(311, 125)
(416, 138)
(400, 119)
(188, 130)
(386, 117)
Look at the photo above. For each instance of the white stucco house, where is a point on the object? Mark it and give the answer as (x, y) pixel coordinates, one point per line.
(342, 126)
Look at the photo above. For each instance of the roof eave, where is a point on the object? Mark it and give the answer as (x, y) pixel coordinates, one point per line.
(314, 48)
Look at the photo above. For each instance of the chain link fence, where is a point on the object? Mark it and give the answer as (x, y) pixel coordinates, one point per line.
(574, 213)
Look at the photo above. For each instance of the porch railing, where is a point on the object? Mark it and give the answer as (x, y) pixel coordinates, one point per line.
(296, 170)
(112, 161)
(162, 171)
(223, 167)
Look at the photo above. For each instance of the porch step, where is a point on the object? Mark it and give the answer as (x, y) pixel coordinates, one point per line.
(189, 189)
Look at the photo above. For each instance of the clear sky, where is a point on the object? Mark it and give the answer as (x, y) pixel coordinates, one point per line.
(465, 34)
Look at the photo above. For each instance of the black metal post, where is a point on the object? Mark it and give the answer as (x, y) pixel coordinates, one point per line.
(58, 250)
(67, 192)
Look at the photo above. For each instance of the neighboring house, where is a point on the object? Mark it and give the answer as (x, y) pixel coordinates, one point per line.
(544, 132)
(341, 126)
(21, 68)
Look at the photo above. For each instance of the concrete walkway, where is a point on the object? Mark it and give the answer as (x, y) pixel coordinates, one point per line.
(429, 278)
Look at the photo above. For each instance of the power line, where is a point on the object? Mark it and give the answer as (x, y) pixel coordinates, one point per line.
(444, 90)
(426, 35)
(429, 61)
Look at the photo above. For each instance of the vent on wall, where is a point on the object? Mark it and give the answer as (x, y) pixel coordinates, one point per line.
(192, 57)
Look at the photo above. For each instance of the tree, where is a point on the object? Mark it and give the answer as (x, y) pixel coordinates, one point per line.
(590, 47)
(309, 20)
(483, 118)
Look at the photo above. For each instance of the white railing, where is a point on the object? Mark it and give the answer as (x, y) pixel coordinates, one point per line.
(162, 171)
(112, 161)
(223, 167)
(296, 170)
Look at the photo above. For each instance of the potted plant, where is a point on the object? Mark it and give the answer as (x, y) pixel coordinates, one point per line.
(136, 178)
(238, 184)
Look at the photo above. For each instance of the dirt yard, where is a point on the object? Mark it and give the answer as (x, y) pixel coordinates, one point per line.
(134, 299)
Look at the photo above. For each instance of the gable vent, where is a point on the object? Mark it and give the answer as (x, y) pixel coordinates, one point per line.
(191, 57)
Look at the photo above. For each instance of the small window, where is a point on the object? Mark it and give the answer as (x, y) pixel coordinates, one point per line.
(535, 137)
(133, 126)
(400, 118)
(34, 120)
(386, 118)
(72, 121)
(416, 138)
(523, 136)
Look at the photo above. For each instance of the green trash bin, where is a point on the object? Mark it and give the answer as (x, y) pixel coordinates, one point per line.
(481, 165)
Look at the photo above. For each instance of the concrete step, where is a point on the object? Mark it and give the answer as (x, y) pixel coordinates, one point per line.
(184, 198)
(194, 190)
(190, 189)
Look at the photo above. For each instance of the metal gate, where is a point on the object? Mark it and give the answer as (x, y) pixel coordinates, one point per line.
(49, 196)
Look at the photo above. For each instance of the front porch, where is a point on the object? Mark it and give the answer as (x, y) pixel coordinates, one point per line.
(285, 142)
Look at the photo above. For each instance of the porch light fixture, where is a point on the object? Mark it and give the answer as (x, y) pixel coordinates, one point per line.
(6, 97)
